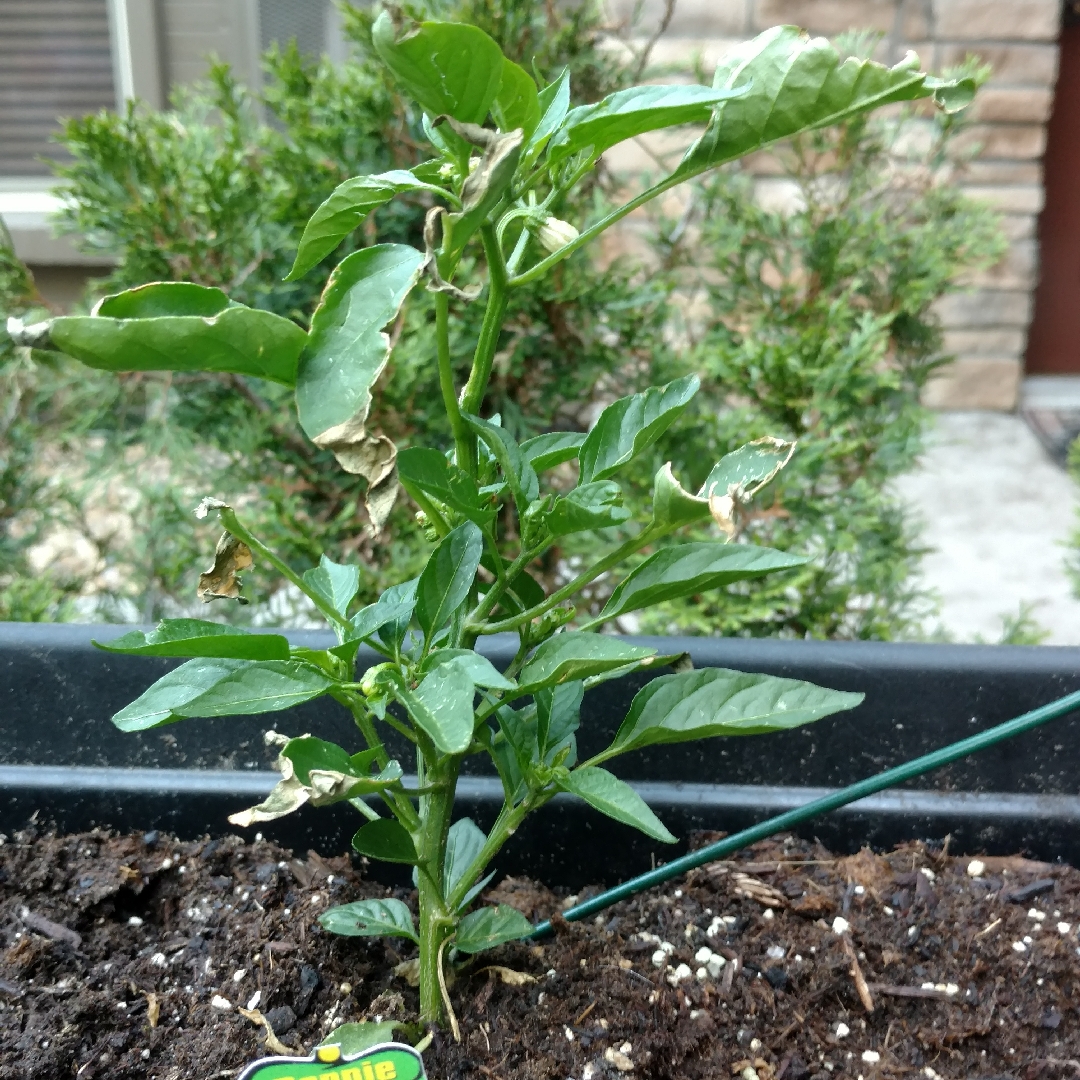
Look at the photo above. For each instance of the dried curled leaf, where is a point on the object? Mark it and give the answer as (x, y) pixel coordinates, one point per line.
(222, 580)
(273, 1043)
(308, 775)
(373, 457)
(508, 975)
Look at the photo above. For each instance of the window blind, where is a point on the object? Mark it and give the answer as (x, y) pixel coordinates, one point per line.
(55, 61)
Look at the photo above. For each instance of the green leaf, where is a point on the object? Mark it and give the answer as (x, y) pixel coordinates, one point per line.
(632, 424)
(615, 798)
(387, 840)
(744, 472)
(464, 842)
(688, 569)
(321, 773)
(442, 706)
(673, 505)
(632, 112)
(517, 104)
(515, 466)
(552, 448)
(310, 756)
(176, 326)
(195, 637)
(797, 83)
(398, 603)
(591, 506)
(335, 582)
(558, 715)
(212, 687)
(484, 189)
(952, 95)
(370, 918)
(426, 472)
(554, 101)
(716, 701)
(347, 349)
(528, 591)
(491, 926)
(448, 576)
(575, 655)
(345, 209)
(479, 668)
(355, 1038)
(445, 67)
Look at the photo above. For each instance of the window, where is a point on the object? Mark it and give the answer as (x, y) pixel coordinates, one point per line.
(55, 61)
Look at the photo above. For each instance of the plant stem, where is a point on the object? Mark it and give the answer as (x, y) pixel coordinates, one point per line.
(436, 916)
(484, 356)
(462, 440)
(635, 543)
(505, 826)
(233, 526)
(544, 265)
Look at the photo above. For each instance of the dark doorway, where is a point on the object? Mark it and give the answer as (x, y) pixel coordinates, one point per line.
(1054, 342)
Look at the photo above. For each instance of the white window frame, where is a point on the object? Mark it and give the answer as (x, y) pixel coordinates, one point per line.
(28, 203)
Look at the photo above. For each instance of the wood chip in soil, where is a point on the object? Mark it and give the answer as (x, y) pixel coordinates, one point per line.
(132, 956)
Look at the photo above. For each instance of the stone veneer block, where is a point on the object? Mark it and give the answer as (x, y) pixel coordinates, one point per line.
(826, 16)
(984, 309)
(1014, 63)
(1025, 104)
(984, 343)
(1011, 141)
(1008, 198)
(691, 17)
(1000, 20)
(976, 383)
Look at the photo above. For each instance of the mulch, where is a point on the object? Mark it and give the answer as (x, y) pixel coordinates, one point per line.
(131, 956)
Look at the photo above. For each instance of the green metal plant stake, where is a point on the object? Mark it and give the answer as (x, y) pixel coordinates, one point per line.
(505, 153)
(919, 766)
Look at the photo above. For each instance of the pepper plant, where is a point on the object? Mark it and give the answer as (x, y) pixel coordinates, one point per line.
(504, 153)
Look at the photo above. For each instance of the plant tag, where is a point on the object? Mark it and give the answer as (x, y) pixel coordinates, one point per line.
(387, 1061)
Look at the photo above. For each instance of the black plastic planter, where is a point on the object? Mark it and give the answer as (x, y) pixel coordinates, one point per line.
(61, 759)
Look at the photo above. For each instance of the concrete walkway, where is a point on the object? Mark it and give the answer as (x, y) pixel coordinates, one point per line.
(998, 514)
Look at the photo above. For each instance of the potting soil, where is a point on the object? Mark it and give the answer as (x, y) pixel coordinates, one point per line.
(145, 957)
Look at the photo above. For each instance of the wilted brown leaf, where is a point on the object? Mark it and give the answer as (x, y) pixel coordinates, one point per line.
(222, 581)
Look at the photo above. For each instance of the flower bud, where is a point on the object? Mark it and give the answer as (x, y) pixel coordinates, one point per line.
(555, 234)
(372, 684)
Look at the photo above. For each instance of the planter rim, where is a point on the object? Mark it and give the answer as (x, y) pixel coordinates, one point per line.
(853, 655)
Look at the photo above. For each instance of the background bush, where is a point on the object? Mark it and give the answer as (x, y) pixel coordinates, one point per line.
(818, 327)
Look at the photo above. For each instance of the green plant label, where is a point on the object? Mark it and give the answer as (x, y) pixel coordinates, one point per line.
(390, 1061)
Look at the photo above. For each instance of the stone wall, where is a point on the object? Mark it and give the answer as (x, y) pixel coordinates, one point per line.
(986, 327)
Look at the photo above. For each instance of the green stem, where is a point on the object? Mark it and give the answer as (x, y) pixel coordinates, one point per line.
(401, 806)
(233, 526)
(492, 597)
(436, 916)
(462, 440)
(545, 265)
(505, 826)
(484, 356)
(636, 543)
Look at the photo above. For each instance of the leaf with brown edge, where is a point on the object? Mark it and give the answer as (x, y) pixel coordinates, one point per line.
(222, 580)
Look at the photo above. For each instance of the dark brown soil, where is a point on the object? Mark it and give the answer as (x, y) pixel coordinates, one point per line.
(115, 947)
